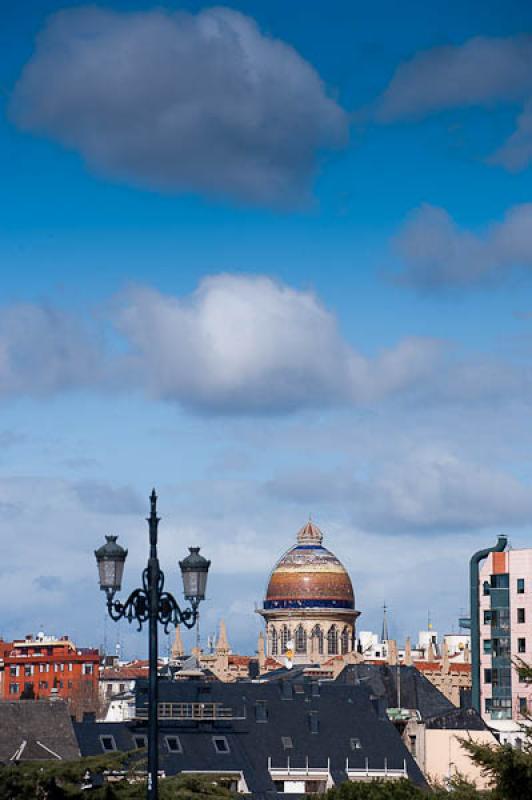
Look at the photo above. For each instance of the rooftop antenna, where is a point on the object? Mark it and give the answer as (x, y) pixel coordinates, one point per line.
(429, 621)
(384, 634)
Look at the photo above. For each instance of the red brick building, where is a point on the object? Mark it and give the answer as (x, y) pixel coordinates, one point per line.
(44, 666)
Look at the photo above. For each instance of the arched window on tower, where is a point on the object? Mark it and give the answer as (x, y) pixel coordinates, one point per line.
(345, 640)
(286, 635)
(317, 635)
(301, 639)
(275, 642)
(332, 641)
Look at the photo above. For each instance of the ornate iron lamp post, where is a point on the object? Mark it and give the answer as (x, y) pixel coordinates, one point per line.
(153, 605)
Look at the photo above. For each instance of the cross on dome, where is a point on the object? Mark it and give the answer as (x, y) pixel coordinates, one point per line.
(310, 534)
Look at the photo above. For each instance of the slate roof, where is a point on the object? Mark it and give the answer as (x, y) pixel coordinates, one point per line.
(344, 714)
(36, 730)
(416, 690)
(458, 719)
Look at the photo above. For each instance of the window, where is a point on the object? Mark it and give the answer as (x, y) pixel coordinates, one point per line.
(173, 743)
(412, 745)
(520, 586)
(140, 741)
(28, 670)
(315, 787)
(70, 684)
(109, 690)
(287, 743)
(332, 640)
(355, 744)
(61, 684)
(523, 706)
(317, 635)
(521, 645)
(221, 745)
(487, 676)
(61, 667)
(301, 639)
(485, 588)
(345, 640)
(13, 688)
(121, 687)
(107, 743)
(87, 669)
(501, 581)
(261, 711)
(43, 684)
(487, 645)
(501, 646)
(56, 667)
(70, 666)
(275, 642)
(487, 617)
(13, 671)
(520, 615)
(286, 635)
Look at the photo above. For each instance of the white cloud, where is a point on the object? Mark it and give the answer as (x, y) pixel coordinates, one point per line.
(44, 350)
(243, 344)
(429, 490)
(482, 71)
(437, 253)
(202, 103)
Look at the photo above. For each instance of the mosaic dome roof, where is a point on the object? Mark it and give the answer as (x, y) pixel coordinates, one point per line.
(309, 576)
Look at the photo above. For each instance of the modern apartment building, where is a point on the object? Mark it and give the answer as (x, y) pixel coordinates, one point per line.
(45, 666)
(501, 632)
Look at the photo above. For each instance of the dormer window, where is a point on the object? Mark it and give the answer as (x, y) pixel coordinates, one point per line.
(221, 745)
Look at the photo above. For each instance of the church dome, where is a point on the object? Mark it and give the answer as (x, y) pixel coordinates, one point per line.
(309, 576)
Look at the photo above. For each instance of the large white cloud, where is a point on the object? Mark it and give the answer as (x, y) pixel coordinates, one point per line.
(436, 252)
(203, 103)
(245, 344)
(482, 71)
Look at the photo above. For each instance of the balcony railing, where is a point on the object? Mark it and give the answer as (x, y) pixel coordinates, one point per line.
(192, 711)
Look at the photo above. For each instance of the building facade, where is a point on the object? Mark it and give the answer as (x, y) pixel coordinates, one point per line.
(504, 596)
(45, 666)
(309, 607)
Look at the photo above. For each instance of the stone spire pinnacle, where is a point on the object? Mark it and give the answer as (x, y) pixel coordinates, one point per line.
(385, 634)
(310, 534)
(222, 645)
(177, 647)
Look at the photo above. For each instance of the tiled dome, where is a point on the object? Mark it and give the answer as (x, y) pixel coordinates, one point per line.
(309, 576)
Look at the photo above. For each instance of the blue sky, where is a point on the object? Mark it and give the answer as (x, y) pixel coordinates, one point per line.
(273, 260)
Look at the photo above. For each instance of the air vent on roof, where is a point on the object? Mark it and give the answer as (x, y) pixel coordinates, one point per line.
(287, 743)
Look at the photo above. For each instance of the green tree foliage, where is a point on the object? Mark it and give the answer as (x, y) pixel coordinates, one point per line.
(405, 790)
(63, 780)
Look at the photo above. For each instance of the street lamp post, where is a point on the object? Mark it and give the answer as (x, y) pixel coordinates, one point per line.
(153, 605)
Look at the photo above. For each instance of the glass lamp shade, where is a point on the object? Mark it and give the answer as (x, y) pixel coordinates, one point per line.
(110, 558)
(194, 569)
